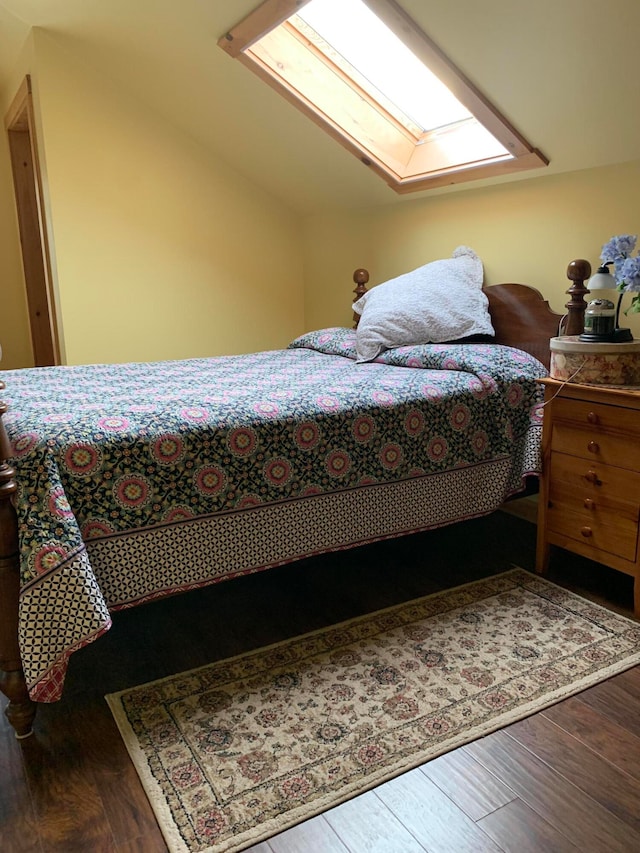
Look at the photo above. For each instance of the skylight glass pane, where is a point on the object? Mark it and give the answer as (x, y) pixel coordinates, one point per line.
(364, 41)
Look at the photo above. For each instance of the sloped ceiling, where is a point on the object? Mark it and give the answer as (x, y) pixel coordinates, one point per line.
(566, 73)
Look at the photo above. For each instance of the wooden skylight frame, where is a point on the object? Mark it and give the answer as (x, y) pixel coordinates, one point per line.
(320, 85)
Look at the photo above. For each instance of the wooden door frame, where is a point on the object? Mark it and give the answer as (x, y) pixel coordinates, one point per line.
(36, 258)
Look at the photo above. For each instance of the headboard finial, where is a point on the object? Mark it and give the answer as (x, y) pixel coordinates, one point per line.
(579, 270)
(361, 276)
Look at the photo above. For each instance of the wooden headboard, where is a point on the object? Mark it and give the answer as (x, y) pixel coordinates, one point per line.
(522, 318)
(520, 314)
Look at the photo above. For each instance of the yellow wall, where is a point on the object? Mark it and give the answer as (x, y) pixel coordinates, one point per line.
(161, 250)
(527, 231)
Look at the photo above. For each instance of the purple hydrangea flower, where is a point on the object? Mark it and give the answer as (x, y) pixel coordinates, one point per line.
(629, 275)
(618, 248)
(626, 269)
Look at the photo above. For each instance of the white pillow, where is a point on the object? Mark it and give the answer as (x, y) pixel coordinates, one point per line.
(440, 301)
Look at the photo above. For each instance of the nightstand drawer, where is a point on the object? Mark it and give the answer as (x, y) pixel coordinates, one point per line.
(614, 489)
(618, 538)
(598, 416)
(596, 445)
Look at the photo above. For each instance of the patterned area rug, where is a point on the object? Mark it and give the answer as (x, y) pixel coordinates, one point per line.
(236, 751)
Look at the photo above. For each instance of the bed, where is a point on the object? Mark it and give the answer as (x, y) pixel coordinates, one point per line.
(123, 483)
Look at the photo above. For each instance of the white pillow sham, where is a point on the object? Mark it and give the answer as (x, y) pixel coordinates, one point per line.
(440, 301)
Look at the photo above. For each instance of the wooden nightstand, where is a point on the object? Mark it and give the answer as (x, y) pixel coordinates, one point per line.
(589, 499)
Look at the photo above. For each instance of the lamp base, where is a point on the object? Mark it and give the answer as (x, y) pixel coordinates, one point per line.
(618, 336)
(622, 336)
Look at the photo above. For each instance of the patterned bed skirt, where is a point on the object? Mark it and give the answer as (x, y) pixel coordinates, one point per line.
(71, 607)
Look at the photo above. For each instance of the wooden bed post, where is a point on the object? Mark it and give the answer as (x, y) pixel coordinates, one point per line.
(578, 272)
(360, 278)
(21, 710)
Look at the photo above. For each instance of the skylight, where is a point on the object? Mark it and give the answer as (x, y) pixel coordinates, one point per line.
(373, 50)
(366, 73)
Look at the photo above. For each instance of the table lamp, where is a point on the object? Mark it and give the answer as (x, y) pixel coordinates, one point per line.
(603, 280)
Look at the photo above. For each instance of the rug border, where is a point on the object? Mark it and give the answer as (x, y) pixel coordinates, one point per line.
(295, 816)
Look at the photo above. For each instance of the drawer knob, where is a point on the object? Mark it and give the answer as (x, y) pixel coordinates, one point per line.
(586, 532)
(589, 504)
(593, 447)
(593, 418)
(592, 477)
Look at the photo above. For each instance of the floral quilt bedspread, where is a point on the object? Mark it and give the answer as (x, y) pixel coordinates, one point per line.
(105, 449)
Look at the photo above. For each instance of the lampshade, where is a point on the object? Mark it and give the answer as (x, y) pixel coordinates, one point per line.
(602, 280)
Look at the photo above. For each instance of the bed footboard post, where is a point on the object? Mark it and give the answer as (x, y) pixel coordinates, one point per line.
(21, 709)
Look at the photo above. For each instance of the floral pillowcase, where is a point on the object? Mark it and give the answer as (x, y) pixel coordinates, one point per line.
(478, 358)
(334, 341)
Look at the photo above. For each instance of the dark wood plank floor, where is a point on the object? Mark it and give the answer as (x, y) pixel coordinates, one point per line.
(567, 778)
